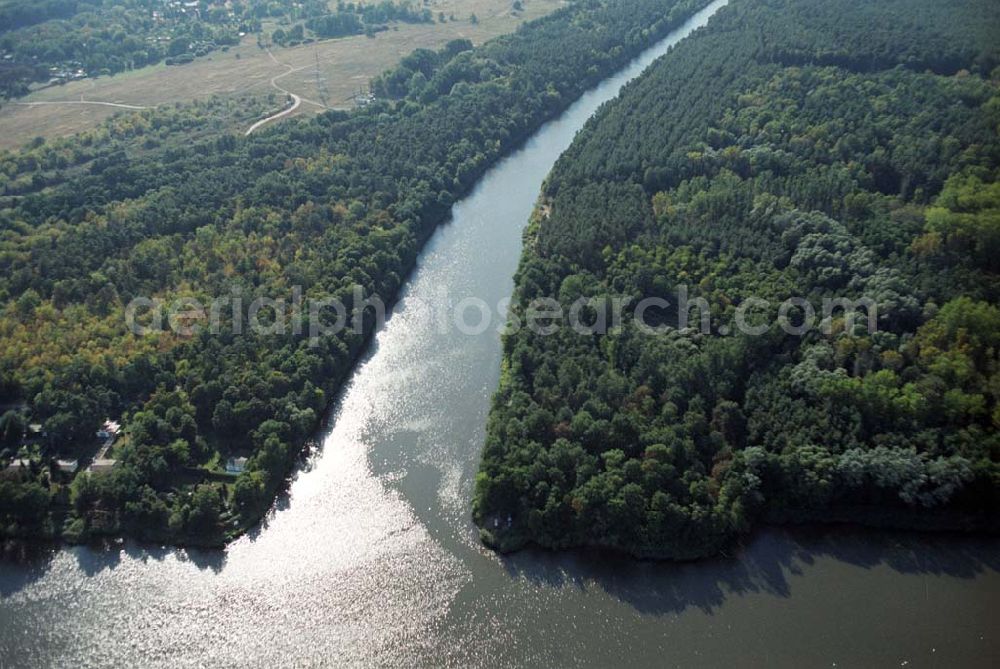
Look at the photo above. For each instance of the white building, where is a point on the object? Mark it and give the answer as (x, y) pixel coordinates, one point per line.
(236, 465)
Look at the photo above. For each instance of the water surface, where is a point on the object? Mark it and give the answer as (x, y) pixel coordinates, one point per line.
(372, 558)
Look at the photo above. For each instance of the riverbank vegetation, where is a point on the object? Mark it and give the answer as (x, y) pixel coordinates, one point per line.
(813, 148)
(343, 200)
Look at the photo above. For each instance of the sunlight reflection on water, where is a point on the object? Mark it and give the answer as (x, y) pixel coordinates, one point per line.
(372, 560)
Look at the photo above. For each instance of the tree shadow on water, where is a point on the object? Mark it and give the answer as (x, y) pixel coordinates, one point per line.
(762, 565)
(93, 559)
(23, 563)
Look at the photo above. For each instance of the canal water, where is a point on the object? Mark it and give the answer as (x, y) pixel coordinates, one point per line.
(372, 559)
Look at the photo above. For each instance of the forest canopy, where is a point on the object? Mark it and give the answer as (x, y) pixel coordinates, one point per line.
(154, 205)
(811, 148)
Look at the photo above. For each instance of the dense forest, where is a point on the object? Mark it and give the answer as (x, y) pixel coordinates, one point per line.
(61, 40)
(351, 19)
(812, 148)
(151, 206)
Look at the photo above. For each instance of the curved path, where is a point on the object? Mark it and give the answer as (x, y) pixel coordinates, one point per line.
(297, 100)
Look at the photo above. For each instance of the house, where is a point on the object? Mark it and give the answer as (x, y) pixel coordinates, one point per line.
(67, 466)
(102, 465)
(236, 465)
(109, 430)
(15, 468)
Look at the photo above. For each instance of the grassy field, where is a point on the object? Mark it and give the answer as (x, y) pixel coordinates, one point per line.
(344, 65)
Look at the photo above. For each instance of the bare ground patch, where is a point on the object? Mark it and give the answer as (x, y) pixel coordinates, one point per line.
(345, 65)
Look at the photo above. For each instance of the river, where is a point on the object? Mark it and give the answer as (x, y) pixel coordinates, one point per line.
(371, 558)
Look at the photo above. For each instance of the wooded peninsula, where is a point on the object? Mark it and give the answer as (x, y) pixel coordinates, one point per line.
(811, 148)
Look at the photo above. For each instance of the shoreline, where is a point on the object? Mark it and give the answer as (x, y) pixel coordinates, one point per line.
(423, 232)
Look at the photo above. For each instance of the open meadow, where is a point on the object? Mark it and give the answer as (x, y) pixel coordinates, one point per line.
(344, 66)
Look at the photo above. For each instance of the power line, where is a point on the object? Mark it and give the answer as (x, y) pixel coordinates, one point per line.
(321, 89)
